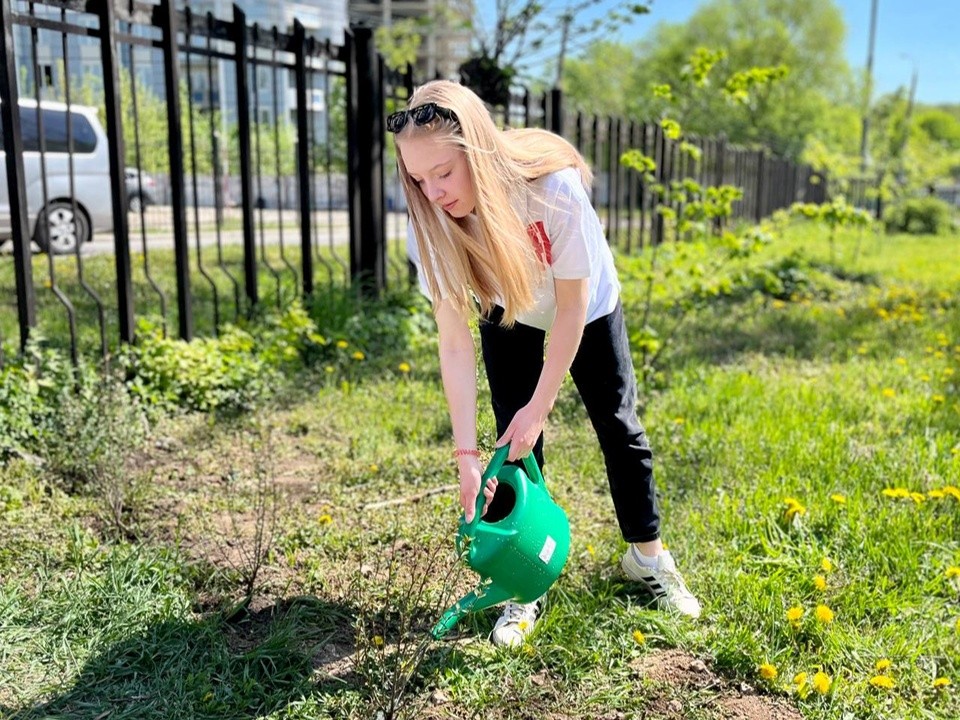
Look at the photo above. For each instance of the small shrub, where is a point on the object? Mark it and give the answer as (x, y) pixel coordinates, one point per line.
(919, 216)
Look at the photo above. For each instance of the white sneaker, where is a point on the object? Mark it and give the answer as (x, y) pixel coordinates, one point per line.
(515, 623)
(664, 581)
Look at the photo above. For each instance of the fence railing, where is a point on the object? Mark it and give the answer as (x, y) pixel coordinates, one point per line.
(222, 168)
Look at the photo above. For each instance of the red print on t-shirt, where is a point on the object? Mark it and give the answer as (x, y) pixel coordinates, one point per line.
(541, 243)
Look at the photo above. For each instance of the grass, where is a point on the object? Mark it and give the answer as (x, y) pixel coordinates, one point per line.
(818, 402)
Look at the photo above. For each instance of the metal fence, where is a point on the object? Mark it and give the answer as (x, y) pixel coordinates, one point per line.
(221, 168)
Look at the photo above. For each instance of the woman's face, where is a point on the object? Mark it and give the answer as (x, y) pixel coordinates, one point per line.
(440, 170)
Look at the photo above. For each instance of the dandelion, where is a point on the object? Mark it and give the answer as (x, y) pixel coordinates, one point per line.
(678, 421)
(404, 367)
(768, 672)
(839, 499)
(377, 641)
(328, 369)
(822, 683)
(924, 378)
(901, 361)
(824, 614)
(957, 626)
(937, 399)
(800, 680)
(917, 497)
(889, 392)
(883, 665)
(358, 355)
(794, 508)
(884, 682)
(862, 350)
(529, 650)
(639, 637)
(325, 519)
(936, 494)
(374, 468)
(343, 344)
(953, 572)
(820, 582)
(826, 565)
(591, 551)
(898, 492)
(941, 683)
(951, 490)
(778, 304)
(794, 614)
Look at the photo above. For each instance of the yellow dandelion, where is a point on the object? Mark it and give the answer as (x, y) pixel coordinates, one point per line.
(639, 637)
(678, 421)
(884, 682)
(952, 572)
(839, 499)
(924, 378)
(917, 497)
(826, 565)
(794, 614)
(824, 614)
(328, 369)
(957, 626)
(862, 350)
(889, 392)
(936, 494)
(325, 519)
(898, 492)
(901, 361)
(778, 304)
(883, 665)
(954, 492)
(358, 355)
(941, 682)
(768, 672)
(820, 582)
(404, 367)
(591, 551)
(937, 399)
(800, 679)
(822, 683)
(794, 508)
(343, 344)
(377, 641)
(374, 468)
(529, 650)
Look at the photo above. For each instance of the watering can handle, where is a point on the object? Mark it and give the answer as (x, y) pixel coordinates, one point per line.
(496, 462)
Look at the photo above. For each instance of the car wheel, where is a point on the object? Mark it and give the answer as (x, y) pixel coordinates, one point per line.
(135, 204)
(65, 229)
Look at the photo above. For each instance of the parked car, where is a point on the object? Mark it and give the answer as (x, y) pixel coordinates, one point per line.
(72, 210)
(139, 193)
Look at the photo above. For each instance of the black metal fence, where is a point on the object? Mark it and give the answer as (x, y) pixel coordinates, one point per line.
(221, 167)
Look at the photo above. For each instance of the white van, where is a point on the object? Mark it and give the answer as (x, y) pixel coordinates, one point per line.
(71, 219)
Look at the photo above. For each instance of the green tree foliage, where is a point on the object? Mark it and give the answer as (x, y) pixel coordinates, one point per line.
(746, 44)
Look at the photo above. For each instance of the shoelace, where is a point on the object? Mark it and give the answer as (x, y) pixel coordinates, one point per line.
(514, 613)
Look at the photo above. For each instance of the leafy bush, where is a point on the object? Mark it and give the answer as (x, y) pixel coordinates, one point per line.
(919, 216)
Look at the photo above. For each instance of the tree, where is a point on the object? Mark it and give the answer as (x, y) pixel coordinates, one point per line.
(529, 41)
(805, 36)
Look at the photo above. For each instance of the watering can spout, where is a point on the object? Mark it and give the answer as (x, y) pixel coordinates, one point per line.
(471, 602)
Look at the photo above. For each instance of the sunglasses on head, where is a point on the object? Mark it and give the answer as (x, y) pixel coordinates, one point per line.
(421, 115)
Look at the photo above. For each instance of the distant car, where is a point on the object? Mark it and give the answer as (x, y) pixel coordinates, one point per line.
(72, 209)
(139, 194)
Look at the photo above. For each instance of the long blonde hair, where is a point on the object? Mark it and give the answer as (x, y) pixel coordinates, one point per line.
(489, 254)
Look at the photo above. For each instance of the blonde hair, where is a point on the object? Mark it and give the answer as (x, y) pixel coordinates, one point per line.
(489, 254)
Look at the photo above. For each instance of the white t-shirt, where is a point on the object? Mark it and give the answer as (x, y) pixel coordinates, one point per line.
(567, 235)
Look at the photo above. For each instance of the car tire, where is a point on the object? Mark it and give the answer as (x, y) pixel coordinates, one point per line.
(65, 229)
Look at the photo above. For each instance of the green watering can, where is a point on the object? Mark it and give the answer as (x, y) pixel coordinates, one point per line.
(518, 548)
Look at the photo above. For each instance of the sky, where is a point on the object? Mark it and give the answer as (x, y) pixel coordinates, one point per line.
(921, 35)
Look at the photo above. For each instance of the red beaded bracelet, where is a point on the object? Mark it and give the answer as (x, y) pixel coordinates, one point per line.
(460, 452)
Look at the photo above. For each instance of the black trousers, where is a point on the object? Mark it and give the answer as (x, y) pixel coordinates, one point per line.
(603, 374)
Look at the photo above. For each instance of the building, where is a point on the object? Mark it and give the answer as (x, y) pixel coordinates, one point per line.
(446, 36)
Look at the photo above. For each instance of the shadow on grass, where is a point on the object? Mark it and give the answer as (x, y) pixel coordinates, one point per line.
(208, 669)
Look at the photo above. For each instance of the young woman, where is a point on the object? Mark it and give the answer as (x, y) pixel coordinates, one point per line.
(501, 224)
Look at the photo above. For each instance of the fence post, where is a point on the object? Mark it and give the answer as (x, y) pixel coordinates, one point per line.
(365, 162)
(556, 111)
(168, 14)
(760, 185)
(303, 158)
(246, 182)
(121, 236)
(13, 146)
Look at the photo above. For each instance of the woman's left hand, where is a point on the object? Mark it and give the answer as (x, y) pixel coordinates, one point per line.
(523, 431)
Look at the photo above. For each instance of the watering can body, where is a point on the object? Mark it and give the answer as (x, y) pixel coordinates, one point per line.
(521, 545)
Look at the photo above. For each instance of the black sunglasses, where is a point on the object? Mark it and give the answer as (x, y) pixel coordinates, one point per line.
(422, 114)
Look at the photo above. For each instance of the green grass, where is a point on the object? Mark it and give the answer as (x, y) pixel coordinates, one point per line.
(850, 388)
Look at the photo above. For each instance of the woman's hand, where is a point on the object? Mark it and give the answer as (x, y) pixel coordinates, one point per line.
(470, 477)
(523, 431)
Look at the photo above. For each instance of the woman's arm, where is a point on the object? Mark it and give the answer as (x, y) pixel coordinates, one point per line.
(458, 368)
(565, 335)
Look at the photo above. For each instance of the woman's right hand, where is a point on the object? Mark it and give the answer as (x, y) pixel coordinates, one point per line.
(470, 477)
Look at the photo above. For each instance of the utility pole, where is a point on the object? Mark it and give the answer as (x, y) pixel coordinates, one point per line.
(868, 90)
